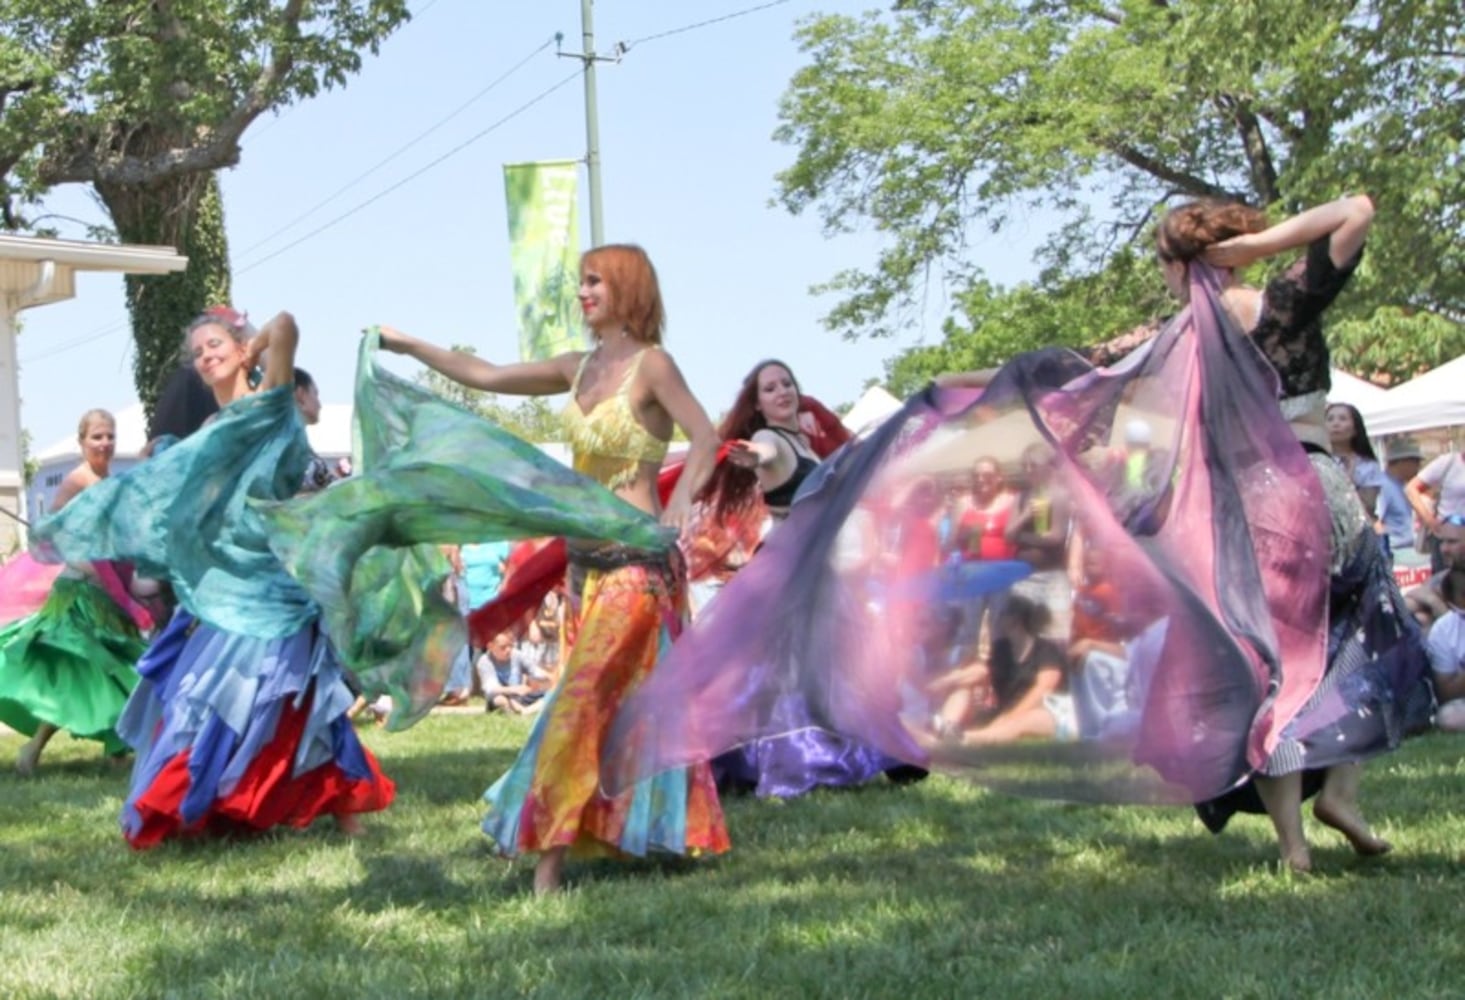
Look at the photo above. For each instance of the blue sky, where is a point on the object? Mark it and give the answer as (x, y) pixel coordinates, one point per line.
(686, 125)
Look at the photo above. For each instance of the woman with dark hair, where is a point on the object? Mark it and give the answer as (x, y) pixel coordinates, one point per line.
(1027, 676)
(764, 461)
(626, 397)
(239, 718)
(1354, 452)
(1374, 658)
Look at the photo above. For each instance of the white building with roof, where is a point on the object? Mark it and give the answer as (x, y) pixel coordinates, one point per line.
(36, 272)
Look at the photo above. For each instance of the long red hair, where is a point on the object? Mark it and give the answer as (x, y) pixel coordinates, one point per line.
(732, 489)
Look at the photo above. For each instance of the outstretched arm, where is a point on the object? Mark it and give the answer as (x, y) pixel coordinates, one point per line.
(978, 379)
(531, 378)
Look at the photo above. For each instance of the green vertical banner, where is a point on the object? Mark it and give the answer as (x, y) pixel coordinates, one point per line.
(544, 252)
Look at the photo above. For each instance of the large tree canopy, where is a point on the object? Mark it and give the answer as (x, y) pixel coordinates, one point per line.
(143, 100)
(936, 120)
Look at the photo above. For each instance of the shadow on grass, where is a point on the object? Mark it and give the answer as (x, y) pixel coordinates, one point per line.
(939, 889)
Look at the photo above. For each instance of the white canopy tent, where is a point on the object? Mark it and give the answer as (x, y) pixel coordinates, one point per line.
(36, 272)
(1434, 400)
(871, 409)
(1355, 391)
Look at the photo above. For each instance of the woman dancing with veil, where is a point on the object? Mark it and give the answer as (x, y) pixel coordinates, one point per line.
(626, 395)
(69, 665)
(1230, 670)
(1375, 686)
(239, 719)
(769, 457)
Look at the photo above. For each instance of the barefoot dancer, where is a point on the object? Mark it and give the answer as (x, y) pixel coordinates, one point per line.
(626, 394)
(1367, 618)
(239, 719)
(70, 665)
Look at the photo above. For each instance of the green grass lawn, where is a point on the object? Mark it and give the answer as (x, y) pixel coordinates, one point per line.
(936, 890)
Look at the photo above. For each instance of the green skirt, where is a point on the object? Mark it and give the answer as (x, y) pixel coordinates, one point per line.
(70, 665)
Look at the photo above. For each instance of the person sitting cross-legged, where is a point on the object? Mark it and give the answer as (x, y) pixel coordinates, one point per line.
(501, 674)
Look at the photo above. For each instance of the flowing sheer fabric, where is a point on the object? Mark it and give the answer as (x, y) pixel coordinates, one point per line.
(1211, 543)
(238, 716)
(185, 516)
(24, 586)
(430, 473)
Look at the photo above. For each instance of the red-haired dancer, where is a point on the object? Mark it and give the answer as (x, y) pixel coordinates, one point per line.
(626, 396)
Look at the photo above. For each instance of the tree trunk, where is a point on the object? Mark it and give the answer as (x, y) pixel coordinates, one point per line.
(186, 213)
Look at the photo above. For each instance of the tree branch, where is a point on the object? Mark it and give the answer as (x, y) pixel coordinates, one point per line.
(216, 147)
(1258, 157)
(1188, 183)
(1280, 121)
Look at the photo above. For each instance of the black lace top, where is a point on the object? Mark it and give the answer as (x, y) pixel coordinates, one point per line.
(1289, 331)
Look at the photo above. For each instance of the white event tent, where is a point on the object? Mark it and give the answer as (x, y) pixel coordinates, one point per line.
(1434, 400)
(1355, 391)
(870, 410)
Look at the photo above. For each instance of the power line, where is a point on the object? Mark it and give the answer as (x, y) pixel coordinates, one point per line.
(285, 112)
(624, 47)
(703, 24)
(101, 332)
(405, 147)
(412, 176)
(65, 346)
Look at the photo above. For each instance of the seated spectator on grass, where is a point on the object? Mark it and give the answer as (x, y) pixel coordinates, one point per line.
(506, 688)
(1028, 678)
(1447, 633)
(1434, 599)
(536, 658)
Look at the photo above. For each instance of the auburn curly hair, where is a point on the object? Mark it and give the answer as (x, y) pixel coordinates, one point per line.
(1188, 230)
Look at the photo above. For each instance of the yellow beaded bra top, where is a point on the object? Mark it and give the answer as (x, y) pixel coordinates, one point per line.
(609, 443)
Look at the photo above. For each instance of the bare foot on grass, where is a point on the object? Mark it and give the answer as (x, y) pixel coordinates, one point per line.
(1351, 824)
(549, 872)
(29, 759)
(1297, 862)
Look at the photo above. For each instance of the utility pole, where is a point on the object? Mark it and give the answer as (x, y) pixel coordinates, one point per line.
(592, 115)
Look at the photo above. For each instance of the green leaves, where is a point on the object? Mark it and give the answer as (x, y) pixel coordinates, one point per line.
(121, 91)
(930, 122)
(143, 100)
